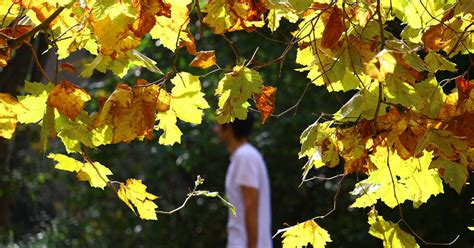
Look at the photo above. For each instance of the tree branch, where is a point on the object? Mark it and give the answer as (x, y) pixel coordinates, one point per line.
(16, 41)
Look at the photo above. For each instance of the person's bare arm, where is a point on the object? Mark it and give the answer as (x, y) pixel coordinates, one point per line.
(250, 197)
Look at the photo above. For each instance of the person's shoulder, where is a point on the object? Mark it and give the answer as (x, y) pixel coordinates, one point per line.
(247, 150)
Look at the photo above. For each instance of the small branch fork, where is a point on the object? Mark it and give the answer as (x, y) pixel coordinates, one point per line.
(190, 195)
(336, 195)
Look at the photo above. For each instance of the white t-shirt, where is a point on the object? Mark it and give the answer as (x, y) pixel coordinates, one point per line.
(247, 168)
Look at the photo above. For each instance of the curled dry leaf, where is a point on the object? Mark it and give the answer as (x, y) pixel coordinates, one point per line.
(266, 101)
(204, 59)
(68, 67)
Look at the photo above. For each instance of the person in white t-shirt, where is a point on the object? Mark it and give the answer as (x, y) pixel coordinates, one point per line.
(247, 188)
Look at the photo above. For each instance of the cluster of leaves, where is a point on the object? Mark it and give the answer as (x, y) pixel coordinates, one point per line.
(400, 128)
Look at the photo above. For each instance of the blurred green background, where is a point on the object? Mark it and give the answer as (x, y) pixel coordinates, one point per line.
(43, 206)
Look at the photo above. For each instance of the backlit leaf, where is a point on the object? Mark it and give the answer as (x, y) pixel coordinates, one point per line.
(134, 194)
(306, 233)
(390, 233)
(95, 173)
(130, 112)
(234, 90)
(204, 59)
(10, 108)
(68, 99)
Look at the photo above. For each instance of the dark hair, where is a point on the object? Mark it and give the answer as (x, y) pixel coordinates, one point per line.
(242, 128)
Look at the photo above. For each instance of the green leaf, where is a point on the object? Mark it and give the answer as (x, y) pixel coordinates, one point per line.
(446, 142)
(435, 62)
(453, 173)
(234, 90)
(402, 93)
(362, 105)
(432, 95)
(34, 101)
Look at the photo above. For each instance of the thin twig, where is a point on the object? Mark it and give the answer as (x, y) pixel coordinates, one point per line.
(190, 195)
(339, 184)
(323, 178)
(252, 58)
(38, 64)
(232, 46)
(382, 34)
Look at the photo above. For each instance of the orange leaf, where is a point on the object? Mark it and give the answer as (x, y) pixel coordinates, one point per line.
(147, 9)
(462, 126)
(333, 29)
(204, 59)
(68, 99)
(441, 36)
(42, 9)
(464, 86)
(266, 101)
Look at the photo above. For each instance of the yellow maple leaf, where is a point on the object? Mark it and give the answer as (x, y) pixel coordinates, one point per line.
(134, 194)
(167, 123)
(412, 179)
(95, 173)
(68, 99)
(187, 100)
(187, 103)
(306, 233)
(381, 65)
(66, 163)
(34, 101)
(223, 16)
(172, 31)
(9, 109)
(391, 234)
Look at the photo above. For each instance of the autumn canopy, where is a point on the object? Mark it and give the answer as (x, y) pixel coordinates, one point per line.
(409, 133)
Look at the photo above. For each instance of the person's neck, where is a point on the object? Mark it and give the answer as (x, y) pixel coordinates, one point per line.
(234, 144)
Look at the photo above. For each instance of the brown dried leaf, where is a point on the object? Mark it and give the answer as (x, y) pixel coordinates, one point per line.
(333, 29)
